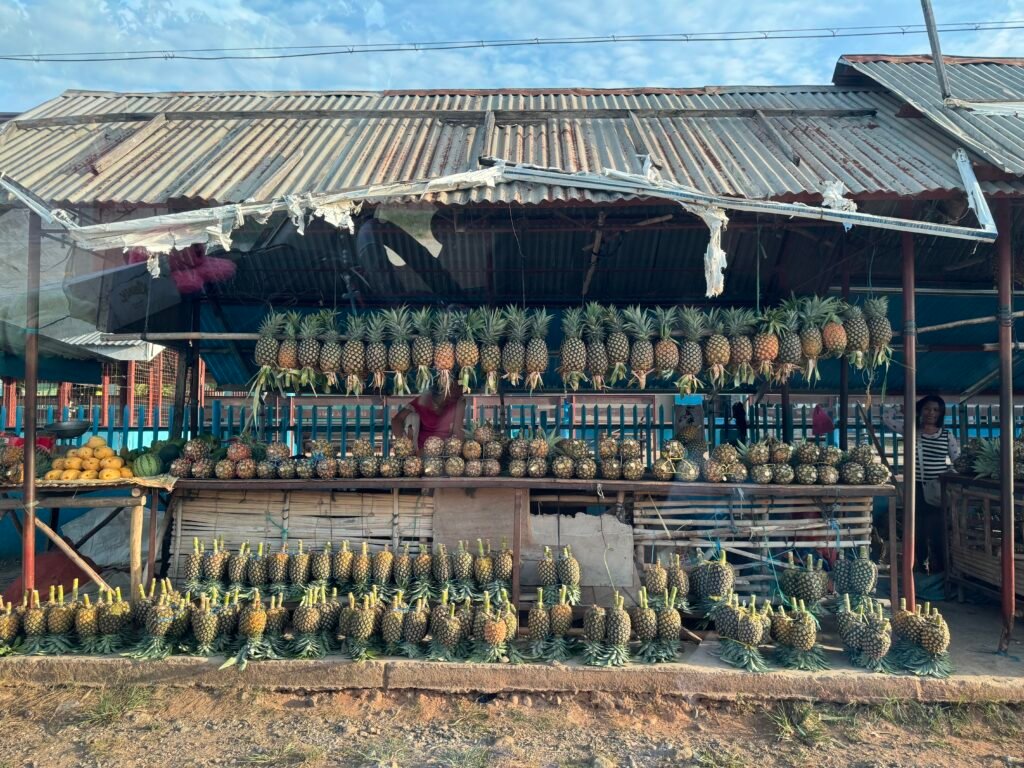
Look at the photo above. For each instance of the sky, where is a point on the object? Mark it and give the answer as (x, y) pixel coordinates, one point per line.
(47, 26)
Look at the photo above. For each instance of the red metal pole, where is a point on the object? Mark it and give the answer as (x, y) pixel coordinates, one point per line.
(11, 401)
(909, 417)
(28, 531)
(105, 396)
(129, 400)
(1004, 223)
(151, 388)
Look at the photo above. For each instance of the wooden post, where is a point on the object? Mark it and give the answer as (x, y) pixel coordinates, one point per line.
(177, 425)
(154, 509)
(1004, 223)
(28, 537)
(517, 544)
(787, 415)
(844, 369)
(909, 417)
(11, 402)
(135, 541)
(894, 570)
(71, 554)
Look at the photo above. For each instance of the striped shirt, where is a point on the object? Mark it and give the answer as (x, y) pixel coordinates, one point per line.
(934, 452)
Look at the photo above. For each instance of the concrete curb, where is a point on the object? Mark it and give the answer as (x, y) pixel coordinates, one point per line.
(700, 678)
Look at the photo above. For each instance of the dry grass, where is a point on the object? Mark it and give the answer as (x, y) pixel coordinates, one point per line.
(114, 703)
(290, 754)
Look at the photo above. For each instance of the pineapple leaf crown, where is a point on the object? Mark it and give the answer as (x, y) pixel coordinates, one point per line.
(638, 322)
(852, 311)
(376, 329)
(423, 321)
(517, 323)
(692, 322)
(443, 322)
(271, 324)
(470, 324)
(355, 327)
(290, 324)
(877, 307)
(492, 327)
(667, 318)
(539, 322)
(715, 322)
(739, 322)
(812, 311)
(399, 324)
(329, 325)
(594, 316)
(832, 310)
(572, 323)
(772, 321)
(614, 319)
(310, 326)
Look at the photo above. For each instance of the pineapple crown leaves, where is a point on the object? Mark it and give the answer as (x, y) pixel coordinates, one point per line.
(594, 317)
(443, 325)
(540, 319)
(399, 324)
(738, 322)
(355, 327)
(271, 324)
(376, 328)
(492, 326)
(613, 319)
(572, 323)
(310, 326)
(290, 324)
(329, 325)
(773, 321)
(811, 311)
(692, 322)
(666, 318)
(469, 324)
(877, 307)
(638, 322)
(423, 321)
(715, 321)
(517, 323)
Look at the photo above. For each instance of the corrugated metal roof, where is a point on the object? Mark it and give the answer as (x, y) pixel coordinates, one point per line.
(328, 142)
(998, 138)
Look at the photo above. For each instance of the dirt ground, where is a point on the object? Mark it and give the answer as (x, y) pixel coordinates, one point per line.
(133, 726)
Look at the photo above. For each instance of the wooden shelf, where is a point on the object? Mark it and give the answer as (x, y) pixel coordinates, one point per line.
(551, 485)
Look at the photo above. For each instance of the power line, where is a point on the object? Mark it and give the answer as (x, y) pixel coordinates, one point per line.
(304, 51)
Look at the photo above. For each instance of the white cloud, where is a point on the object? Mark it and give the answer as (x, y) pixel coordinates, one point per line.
(50, 25)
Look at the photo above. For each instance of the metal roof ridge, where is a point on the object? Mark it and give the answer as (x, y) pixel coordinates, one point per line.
(926, 58)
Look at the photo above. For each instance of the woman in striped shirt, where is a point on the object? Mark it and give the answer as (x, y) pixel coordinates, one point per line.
(936, 448)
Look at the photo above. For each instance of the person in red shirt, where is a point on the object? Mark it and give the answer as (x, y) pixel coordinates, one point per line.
(439, 415)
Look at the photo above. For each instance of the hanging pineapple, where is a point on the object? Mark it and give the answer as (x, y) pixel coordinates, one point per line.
(309, 344)
(353, 356)
(717, 352)
(597, 355)
(423, 347)
(876, 314)
(491, 329)
(399, 328)
(513, 354)
(617, 345)
(833, 334)
(666, 349)
(739, 325)
(467, 353)
(858, 339)
(574, 351)
(267, 345)
(790, 350)
(330, 348)
(691, 355)
(444, 350)
(810, 312)
(766, 342)
(637, 322)
(536, 361)
(377, 350)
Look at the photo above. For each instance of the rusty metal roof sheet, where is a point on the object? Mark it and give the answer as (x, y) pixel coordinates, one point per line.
(756, 142)
(999, 138)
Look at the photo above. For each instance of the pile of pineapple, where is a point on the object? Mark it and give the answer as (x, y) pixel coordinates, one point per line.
(12, 463)
(601, 345)
(980, 457)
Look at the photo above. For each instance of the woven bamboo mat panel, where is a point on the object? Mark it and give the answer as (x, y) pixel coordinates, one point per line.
(754, 532)
(267, 516)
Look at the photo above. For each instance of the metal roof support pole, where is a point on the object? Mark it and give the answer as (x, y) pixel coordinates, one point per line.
(933, 39)
(28, 531)
(844, 369)
(1003, 251)
(194, 382)
(909, 418)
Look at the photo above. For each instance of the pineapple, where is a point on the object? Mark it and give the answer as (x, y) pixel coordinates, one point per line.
(617, 345)
(562, 467)
(452, 447)
(597, 355)
(491, 329)
(347, 468)
(633, 469)
(181, 467)
(467, 352)
(827, 475)
(585, 468)
(687, 470)
(412, 466)
(739, 325)
(691, 355)
(454, 466)
(299, 568)
(361, 448)
(852, 473)
(330, 347)
(362, 566)
(267, 345)
(876, 314)
(725, 454)
(369, 467)
(790, 348)
(858, 338)
(309, 342)
(224, 469)
(202, 469)
(245, 469)
(376, 351)
(766, 342)
(761, 474)
(811, 312)
(288, 349)
(513, 354)
(390, 467)
(618, 629)
(717, 352)
(539, 467)
(518, 467)
(877, 474)
(433, 467)
(655, 578)
(536, 361)
(833, 334)
(402, 447)
(641, 353)
(423, 348)
(713, 471)
(666, 349)
(382, 566)
(574, 351)
(490, 467)
(444, 350)
(353, 355)
(782, 474)
(399, 328)
(663, 469)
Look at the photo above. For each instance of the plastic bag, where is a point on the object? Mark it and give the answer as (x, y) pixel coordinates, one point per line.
(821, 422)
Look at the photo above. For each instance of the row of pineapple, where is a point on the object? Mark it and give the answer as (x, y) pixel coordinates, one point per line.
(981, 457)
(601, 345)
(462, 573)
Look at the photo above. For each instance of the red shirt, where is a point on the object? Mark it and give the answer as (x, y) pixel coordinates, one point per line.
(432, 423)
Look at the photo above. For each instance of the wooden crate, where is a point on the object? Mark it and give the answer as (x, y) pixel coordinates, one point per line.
(315, 517)
(974, 533)
(754, 529)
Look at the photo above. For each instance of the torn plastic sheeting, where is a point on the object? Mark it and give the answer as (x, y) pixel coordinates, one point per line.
(715, 261)
(834, 193)
(339, 214)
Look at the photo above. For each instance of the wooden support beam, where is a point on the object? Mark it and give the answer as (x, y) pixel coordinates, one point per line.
(68, 550)
(108, 158)
(776, 137)
(28, 538)
(1004, 218)
(909, 423)
(135, 547)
